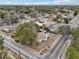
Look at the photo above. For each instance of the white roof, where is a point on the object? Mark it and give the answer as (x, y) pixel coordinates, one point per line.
(40, 24)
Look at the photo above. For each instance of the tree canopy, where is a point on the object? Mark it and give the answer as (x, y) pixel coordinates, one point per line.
(75, 12)
(66, 20)
(26, 33)
(73, 50)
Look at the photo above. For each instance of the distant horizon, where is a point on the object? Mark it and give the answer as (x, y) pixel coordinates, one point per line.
(38, 5)
(39, 2)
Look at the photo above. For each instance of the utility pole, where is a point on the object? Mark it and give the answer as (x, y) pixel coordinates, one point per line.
(9, 18)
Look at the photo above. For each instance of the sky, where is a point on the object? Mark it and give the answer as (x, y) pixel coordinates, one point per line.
(39, 2)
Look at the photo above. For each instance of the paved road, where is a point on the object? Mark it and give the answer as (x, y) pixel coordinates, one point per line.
(16, 47)
(56, 51)
(59, 48)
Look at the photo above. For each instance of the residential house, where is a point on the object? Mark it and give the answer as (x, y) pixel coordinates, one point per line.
(42, 36)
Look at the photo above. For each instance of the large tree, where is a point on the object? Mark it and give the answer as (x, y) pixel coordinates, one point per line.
(72, 53)
(3, 54)
(75, 12)
(2, 14)
(66, 20)
(26, 33)
(10, 18)
(73, 50)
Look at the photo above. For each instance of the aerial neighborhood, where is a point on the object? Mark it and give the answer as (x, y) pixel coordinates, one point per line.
(38, 32)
